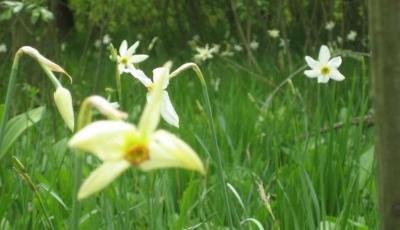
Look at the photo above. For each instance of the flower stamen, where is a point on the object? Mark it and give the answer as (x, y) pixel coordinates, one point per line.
(137, 154)
(325, 70)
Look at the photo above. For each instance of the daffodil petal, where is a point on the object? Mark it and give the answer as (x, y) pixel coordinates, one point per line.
(323, 79)
(133, 48)
(105, 139)
(123, 48)
(312, 63)
(167, 150)
(101, 177)
(312, 73)
(167, 111)
(141, 76)
(151, 115)
(158, 73)
(324, 54)
(138, 58)
(336, 75)
(335, 62)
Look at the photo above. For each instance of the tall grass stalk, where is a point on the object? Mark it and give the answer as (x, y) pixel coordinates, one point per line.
(221, 175)
(9, 96)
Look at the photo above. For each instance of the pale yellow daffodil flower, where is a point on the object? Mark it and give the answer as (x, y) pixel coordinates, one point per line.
(121, 145)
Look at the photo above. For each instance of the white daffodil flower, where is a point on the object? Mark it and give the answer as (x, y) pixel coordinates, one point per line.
(330, 25)
(325, 68)
(126, 57)
(106, 39)
(3, 48)
(351, 36)
(203, 53)
(167, 110)
(254, 45)
(121, 145)
(274, 33)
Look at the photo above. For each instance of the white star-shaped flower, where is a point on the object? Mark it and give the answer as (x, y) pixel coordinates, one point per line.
(325, 68)
(126, 57)
(167, 110)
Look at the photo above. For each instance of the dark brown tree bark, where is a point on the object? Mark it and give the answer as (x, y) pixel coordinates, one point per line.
(385, 35)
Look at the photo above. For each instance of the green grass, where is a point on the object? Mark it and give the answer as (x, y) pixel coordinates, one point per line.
(287, 165)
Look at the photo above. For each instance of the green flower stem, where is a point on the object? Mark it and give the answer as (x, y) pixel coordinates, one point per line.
(199, 74)
(9, 96)
(119, 85)
(51, 76)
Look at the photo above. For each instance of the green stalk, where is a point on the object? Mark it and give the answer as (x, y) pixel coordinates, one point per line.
(75, 202)
(9, 96)
(119, 85)
(210, 119)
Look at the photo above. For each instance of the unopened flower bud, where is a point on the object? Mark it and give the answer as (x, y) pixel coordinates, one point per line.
(63, 100)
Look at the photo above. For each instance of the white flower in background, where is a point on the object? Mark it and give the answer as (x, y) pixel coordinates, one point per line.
(339, 39)
(63, 46)
(254, 45)
(120, 145)
(63, 101)
(215, 48)
(3, 48)
(97, 43)
(196, 38)
(330, 25)
(203, 53)
(325, 68)
(237, 47)
(106, 39)
(139, 37)
(167, 110)
(227, 53)
(126, 57)
(274, 33)
(283, 43)
(351, 36)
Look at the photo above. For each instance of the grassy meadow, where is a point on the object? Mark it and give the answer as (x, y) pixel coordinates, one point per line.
(292, 156)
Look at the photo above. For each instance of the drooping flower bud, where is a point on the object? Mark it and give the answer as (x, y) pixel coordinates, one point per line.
(63, 100)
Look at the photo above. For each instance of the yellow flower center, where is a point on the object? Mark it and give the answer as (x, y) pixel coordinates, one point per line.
(150, 87)
(325, 70)
(124, 61)
(137, 154)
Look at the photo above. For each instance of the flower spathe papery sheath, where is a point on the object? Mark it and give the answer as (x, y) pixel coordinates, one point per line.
(126, 57)
(121, 145)
(325, 68)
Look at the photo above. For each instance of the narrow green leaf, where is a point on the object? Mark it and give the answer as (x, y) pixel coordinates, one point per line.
(17, 125)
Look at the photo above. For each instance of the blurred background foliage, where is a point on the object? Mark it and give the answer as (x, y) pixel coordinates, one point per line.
(302, 22)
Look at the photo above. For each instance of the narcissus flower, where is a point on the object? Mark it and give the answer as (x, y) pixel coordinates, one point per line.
(274, 33)
(325, 68)
(167, 110)
(121, 145)
(351, 36)
(330, 25)
(63, 100)
(204, 53)
(126, 57)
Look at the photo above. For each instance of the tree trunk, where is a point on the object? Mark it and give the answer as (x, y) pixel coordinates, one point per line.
(385, 34)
